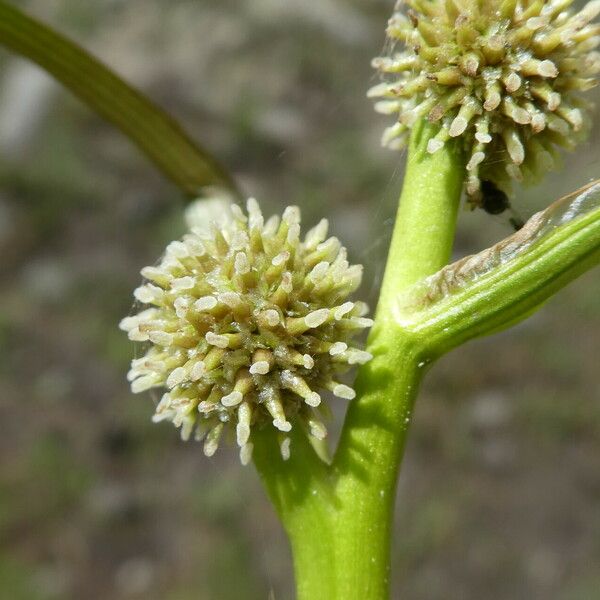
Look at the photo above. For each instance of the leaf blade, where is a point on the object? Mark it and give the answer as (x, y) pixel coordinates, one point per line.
(148, 126)
(486, 293)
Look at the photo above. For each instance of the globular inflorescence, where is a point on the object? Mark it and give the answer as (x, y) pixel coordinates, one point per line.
(246, 325)
(504, 76)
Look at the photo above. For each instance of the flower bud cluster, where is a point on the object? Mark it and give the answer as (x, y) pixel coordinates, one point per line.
(504, 76)
(246, 324)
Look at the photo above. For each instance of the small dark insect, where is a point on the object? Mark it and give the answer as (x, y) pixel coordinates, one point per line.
(494, 201)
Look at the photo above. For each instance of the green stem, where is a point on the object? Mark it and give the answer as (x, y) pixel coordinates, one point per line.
(155, 133)
(374, 435)
(426, 219)
(339, 517)
(302, 494)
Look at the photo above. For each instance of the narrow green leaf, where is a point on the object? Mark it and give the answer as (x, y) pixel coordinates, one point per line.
(157, 134)
(504, 284)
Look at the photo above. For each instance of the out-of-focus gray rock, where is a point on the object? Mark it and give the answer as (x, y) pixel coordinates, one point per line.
(25, 97)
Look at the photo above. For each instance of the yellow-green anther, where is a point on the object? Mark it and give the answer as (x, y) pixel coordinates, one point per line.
(494, 49)
(449, 76)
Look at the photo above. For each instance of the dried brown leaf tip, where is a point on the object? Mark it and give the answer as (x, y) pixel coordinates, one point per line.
(505, 76)
(247, 323)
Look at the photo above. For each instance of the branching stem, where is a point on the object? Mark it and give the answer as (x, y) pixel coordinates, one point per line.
(356, 493)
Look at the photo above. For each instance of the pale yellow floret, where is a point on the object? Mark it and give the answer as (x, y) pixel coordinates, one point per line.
(503, 76)
(245, 323)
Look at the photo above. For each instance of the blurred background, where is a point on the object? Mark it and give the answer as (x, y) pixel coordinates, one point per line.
(500, 493)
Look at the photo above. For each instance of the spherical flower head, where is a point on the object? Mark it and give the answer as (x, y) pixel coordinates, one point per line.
(246, 324)
(504, 76)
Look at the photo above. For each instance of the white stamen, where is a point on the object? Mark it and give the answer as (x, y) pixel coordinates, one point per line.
(144, 383)
(286, 282)
(230, 299)
(547, 69)
(293, 234)
(214, 339)
(244, 414)
(181, 306)
(363, 322)
(359, 357)
(282, 425)
(538, 122)
(521, 116)
(153, 273)
(280, 259)
(458, 127)
(135, 335)
(242, 434)
(291, 215)
(317, 317)
(239, 240)
(317, 234)
(554, 101)
(237, 213)
(187, 426)
(317, 429)
(260, 367)
(271, 317)
(211, 446)
(434, 145)
(183, 283)
(206, 407)
(162, 338)
(197, 371)
(534, 23)
(387, 107)
(381, 89)
(476, 159)
(232, 399)
(176, 377)
(513, 83)
(284, 448)
(205, 303)
(241, 265)
(313, 399)
(148, 293)
(194, 245)
(134, 320)
(177, 249)
(338, 348)
(246, 453)
(342, 310)
(319, 271)
(343, 391)
(270, 227)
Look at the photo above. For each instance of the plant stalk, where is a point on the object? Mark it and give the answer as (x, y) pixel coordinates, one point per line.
(368, 459)
(302, 494)
(355, 500)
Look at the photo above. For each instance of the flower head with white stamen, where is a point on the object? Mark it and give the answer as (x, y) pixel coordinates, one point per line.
(246, 324)
(504, 76)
